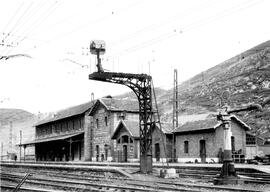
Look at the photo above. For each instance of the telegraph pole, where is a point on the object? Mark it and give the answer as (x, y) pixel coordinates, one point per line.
(2, 149)
(20, 145)
(10, 137)
(92, 96)
(175, 111)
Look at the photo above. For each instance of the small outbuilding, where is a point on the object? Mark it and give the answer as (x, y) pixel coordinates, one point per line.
(203, 141)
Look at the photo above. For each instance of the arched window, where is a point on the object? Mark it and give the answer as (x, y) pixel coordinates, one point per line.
(125, 139)
(97, 123)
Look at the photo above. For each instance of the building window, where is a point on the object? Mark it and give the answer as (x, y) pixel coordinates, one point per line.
(250, 140)
(131, 140)
(49, 130)
(185, 146)
(97, 152)
(122, 116)
(57, 128)
(97, 123)
(119, 140)
(233, 143)
(125, 139)
(106, 121)
(106, 149)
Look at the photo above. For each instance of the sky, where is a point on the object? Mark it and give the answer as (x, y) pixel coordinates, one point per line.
(142, 36)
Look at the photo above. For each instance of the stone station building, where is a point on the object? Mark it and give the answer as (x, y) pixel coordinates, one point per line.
(203, 140)
(82, 132)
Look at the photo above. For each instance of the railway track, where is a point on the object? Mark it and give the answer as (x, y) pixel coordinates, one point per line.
(55, 180)
(52, 183)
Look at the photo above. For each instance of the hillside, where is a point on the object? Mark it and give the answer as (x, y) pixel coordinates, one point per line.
(15, 123)
(241, 80)
(8, 115)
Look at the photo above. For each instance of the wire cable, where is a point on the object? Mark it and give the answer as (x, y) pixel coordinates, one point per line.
(35, 24)
(18, 21)
(186, 28)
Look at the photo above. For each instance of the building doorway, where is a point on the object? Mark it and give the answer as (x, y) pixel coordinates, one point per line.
(157, 152)
(125, 153)
(202, 151)
(97, 152)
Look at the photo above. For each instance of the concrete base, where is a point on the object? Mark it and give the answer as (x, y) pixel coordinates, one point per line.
(228, 181)
(168, 173)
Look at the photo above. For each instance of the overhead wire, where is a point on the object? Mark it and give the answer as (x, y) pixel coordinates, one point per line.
(60, 36)
(58, 23)
(186, 28)
(164, 22)
(3, 43)
(12, 18)
(18, 21)
(35, 24)
(28, 19)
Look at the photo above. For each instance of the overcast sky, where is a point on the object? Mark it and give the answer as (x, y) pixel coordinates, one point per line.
(141, 36)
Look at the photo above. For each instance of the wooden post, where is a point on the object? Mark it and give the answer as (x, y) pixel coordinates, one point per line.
(70, 154)
(20, 145)
(24, 147)
(1, 150)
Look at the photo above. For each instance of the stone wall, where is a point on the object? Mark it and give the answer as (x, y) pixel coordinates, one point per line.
(214, 141)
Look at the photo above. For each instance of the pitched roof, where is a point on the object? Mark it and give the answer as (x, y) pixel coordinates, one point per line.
(53, 138)
(247, 127)
(198, 125)
(131, 126)
(121, 104)
(112, 104)
(206, 124)
(68, 112)
(167, 128)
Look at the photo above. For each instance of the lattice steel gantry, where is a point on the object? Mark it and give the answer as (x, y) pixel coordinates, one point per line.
(140, 84)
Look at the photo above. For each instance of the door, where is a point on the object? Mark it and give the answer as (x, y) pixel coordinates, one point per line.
(125, 153)
(157, 152)
(97, 152)
(202, 151)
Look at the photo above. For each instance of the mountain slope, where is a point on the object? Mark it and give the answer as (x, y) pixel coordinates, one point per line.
(7, 115)
(241, 80)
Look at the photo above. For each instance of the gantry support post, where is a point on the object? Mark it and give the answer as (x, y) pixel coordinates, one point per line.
(141, 86)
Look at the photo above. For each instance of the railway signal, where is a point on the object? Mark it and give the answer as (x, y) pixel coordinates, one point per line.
(141, 86)
(97, 47)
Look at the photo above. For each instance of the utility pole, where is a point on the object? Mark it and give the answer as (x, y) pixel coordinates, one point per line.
(92, 96)
(20, 145)
(175, 111)
(2, 149)
(10, 137)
